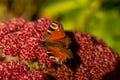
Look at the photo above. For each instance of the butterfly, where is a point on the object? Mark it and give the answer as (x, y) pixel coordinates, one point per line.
(57, 43)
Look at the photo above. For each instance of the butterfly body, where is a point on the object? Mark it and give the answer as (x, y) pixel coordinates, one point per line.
(57, 44)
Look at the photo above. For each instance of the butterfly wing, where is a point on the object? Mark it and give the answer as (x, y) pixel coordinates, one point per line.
(57, 43)
(54, 32)
(59, 55)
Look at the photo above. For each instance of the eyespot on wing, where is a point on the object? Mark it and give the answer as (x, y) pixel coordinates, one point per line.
(55, 34)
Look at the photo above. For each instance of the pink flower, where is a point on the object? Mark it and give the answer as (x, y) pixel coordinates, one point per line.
(25, 41)
(92, 58)
(19, 71)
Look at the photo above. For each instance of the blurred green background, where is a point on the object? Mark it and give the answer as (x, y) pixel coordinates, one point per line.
(98, 17)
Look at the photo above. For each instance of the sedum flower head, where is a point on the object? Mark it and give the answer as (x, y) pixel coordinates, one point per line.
(24, 39)
(92, 58)
(19, 71)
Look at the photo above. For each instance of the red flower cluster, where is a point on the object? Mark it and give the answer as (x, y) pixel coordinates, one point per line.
(97, 58)
(92, 58)
(19, 71)
(21, 38)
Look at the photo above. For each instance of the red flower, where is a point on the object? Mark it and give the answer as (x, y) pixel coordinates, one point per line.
(25, 40)
(92, 58)
(19, 71)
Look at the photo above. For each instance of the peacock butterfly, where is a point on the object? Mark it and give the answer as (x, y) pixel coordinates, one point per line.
(57, 43)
